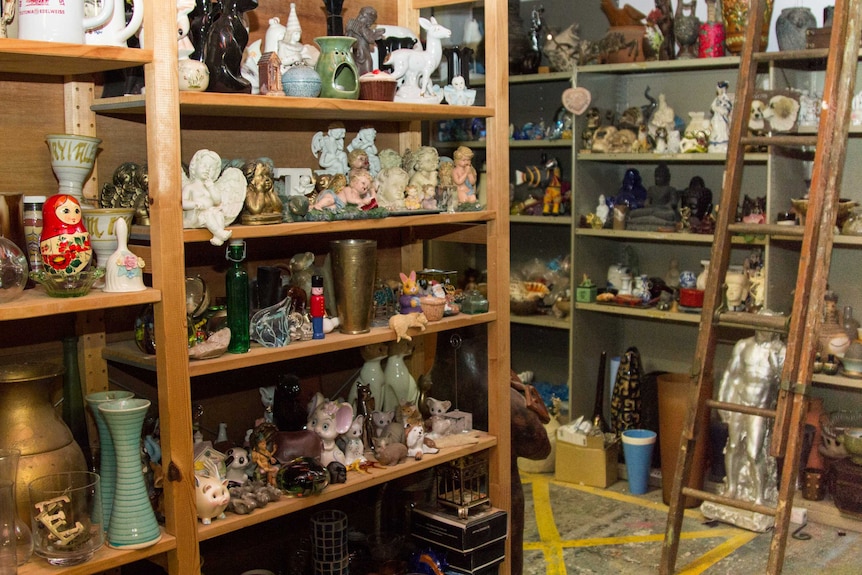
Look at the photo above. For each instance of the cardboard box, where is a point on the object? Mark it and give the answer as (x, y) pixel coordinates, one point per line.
(463, 535)
(593, 464)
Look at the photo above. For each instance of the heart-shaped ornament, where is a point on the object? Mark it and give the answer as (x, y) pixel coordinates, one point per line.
(577, 100)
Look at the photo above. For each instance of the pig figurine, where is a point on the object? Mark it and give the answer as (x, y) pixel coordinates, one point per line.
(211, 498)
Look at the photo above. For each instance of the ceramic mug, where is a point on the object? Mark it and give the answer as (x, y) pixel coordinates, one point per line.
(58, 20)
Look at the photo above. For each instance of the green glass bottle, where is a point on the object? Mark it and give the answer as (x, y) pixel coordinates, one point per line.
(236, 287)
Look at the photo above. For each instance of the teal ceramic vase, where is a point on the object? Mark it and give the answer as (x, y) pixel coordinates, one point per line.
(336, 67)
(107, 456)
(133, 522)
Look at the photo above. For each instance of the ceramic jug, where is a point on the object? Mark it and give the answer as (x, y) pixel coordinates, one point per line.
(116, 31)
(58, 20)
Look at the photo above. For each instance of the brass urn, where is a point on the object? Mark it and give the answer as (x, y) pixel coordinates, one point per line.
(29, 423)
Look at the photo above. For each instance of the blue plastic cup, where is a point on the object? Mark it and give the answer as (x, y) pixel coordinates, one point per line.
(637, 448)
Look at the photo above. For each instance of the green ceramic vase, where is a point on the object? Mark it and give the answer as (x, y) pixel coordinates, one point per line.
(339, 76)
(133, 522)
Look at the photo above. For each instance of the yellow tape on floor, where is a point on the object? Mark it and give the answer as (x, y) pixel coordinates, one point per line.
(552, 545)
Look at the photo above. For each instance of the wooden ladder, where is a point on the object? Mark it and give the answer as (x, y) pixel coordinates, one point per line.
(802, 327)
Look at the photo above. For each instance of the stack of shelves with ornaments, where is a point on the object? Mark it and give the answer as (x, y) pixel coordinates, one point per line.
(666, 338)
(55, 88)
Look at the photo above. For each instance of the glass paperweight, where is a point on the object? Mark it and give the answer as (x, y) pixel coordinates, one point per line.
(13, 270)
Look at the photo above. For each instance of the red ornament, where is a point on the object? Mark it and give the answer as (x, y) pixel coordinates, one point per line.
(65, 242)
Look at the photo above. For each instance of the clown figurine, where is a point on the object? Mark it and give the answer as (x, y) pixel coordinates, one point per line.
(65, 242)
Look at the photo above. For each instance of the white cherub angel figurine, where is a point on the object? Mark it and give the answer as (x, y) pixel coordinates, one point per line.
(328, 148)
(212, 199)
(364, 141)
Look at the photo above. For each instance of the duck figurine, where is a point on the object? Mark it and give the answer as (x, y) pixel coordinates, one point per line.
(65, 242)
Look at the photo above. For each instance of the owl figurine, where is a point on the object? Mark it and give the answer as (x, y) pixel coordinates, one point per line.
(65, 242)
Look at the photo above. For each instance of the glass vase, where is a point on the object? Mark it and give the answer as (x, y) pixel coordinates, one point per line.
(133, 522)
(9, 473)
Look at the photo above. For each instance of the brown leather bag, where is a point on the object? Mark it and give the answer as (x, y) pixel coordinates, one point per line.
(531, 396)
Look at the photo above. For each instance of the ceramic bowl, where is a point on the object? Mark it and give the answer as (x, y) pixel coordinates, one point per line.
(852, 439)
(832, 426)
(845, 207)
(68, 286)
(852, 367)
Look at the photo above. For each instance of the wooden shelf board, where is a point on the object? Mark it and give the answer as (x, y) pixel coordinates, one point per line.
(36, 303)
(675, 237)
(673, 158)
(542, 220)
(105, 559)
(662, 66)
(538, 78)
(646, 313)
(257, 106)
(126, 352)
(305, 228)
(356, 481)
(837, 381)
(62, 59)
(542, 321)
(473, 144)
(533, 144)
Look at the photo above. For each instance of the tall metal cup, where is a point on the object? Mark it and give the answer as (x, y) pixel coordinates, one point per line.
(354, 263)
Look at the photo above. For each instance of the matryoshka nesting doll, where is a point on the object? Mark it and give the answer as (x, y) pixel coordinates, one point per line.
(65, 242)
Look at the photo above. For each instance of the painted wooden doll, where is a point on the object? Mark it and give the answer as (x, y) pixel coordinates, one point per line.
(65, 242)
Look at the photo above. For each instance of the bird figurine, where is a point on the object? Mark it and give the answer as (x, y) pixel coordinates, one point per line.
(65, 242)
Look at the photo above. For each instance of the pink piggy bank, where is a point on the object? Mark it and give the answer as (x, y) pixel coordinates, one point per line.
(211, 498)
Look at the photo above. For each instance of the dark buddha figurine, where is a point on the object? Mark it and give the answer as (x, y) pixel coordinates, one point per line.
(224, 47)
(698, 198)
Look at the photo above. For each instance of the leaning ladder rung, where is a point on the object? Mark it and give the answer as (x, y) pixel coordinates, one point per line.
(729, 501)
(776, 323)
(739, 408)
(766, 230)
(811, 54)
(788, 141)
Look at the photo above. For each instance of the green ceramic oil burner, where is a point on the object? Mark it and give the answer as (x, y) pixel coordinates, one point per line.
(338, 73)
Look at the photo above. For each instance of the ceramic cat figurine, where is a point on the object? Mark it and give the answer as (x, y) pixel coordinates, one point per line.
(409, 413)
(354, 449)
(385, 426)
(388, 452)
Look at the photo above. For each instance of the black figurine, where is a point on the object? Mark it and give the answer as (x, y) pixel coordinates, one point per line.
(224, 47)
(334, 22)
(201, 20)
(288, 412)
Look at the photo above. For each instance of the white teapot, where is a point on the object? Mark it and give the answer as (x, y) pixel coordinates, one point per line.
(116, 31)
(58, 20)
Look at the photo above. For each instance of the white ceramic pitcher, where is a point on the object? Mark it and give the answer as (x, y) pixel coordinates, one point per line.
(58, 20)
(116, 31)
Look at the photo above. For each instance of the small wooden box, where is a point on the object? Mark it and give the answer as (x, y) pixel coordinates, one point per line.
(818, 37)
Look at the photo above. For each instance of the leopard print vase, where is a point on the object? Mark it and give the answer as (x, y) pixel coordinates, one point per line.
(626, 398)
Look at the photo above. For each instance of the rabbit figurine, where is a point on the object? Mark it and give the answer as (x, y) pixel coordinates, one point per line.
(409, 299)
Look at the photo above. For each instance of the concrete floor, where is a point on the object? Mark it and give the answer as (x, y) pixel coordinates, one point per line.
(573, 529)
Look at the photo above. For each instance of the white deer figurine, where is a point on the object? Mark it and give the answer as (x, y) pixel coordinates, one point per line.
(412, 67)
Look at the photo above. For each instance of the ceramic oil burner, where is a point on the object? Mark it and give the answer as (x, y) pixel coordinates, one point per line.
(339, 76)
(59, 20)
(116, 30)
